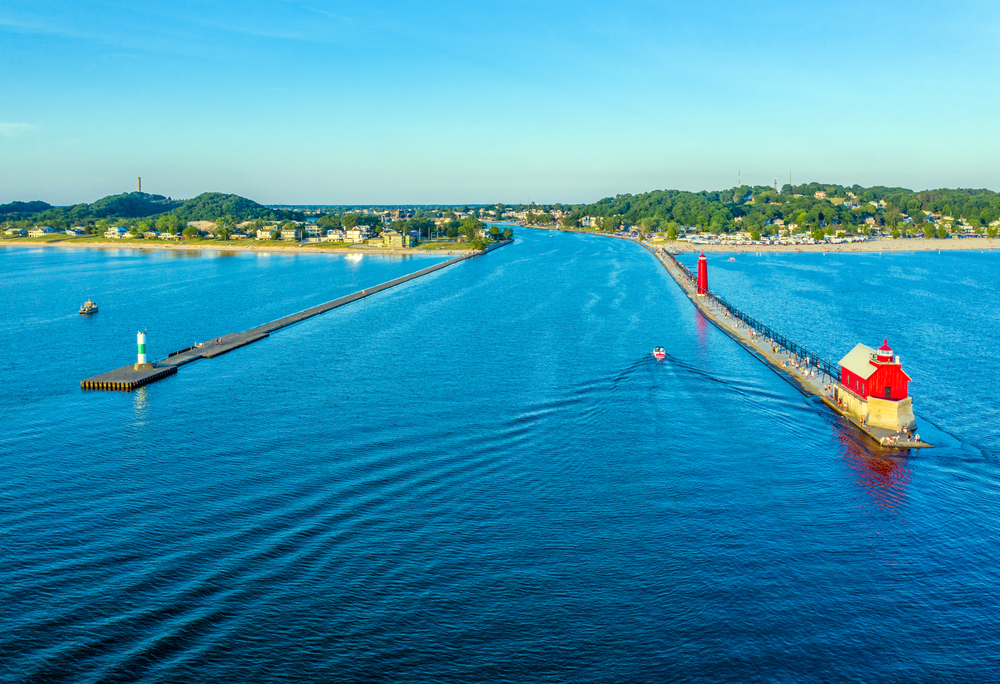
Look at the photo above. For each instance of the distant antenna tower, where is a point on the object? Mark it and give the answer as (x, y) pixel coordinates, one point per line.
(140, 183)
(776, 185)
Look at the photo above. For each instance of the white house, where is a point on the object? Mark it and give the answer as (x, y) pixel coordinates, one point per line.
(335, 235)
(14, 231)
(39, 231)
(290, 233)
(312, 230)
(264, 233)
(358, 234)
(116, 232)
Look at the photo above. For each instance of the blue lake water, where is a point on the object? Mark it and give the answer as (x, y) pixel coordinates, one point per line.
(483, 475)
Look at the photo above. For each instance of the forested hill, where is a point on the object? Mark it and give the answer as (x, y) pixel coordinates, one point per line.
(811, 205)
(125, 205)
(134, 205)
(209, 206)
(18, 209)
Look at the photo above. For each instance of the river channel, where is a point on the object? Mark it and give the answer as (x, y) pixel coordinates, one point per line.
(484, 475)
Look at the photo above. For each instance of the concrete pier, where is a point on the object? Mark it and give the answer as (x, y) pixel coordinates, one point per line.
(128, 378)
(806, 378)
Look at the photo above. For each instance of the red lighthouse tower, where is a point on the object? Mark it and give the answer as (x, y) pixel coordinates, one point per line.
(702, 275)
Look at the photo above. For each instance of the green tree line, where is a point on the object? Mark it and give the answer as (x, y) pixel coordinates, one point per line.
(753, 208)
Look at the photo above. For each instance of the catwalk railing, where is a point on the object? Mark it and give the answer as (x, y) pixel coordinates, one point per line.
(783, 342)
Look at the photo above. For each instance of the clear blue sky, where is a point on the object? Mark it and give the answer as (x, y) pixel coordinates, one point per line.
(455, 102)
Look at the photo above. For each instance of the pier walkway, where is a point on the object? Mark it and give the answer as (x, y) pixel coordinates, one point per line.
(811, 373)
(128, 377)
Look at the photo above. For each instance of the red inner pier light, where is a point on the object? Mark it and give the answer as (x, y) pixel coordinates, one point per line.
(702, 275)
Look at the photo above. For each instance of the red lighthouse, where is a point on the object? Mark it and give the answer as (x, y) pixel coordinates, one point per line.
(702, 275)
(874, 388)
(874, 373)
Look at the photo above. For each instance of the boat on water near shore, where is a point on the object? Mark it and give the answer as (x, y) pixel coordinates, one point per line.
(88, 308)
(660, 353)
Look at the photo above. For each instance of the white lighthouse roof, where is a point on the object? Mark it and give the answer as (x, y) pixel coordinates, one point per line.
(857, 361)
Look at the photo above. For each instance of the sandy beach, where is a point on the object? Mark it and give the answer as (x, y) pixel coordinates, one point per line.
(881, 245)
(887, 245)
(305, 248)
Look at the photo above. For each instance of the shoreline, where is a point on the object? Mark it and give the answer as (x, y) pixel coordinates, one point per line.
(884, 245)
(304, 248)
(901, 245)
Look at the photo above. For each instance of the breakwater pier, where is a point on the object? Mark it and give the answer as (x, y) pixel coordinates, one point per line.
(811, 373)
(128, 378)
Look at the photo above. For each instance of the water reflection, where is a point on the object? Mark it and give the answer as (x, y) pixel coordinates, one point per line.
(883, 474)
(140, 405)
(701, 325)
(181, 253)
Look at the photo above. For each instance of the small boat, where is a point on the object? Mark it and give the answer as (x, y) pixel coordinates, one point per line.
(660, 353)
(88, 307)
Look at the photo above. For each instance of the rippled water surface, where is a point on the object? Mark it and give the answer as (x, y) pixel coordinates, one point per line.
(484, 475)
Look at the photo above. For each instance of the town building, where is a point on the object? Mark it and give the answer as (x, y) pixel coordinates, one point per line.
(39, 231)
(115, 232)
(335, 235)
(397, 240)
(357, 234)
(291, 233)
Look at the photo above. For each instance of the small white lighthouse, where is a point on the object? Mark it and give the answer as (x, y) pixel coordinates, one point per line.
(141, 363)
